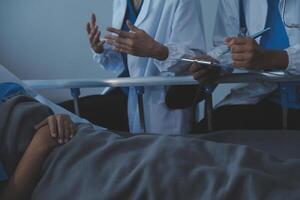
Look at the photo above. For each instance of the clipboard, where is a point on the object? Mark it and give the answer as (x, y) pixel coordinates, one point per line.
(211, 65)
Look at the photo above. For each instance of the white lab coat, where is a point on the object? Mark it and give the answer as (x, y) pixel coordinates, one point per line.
(227, 24)
(176, 24)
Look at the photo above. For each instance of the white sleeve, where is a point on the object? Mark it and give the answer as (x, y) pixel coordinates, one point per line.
(227, 24)
(227, 21)
(109, 59)
(294, 59)
(187, 37)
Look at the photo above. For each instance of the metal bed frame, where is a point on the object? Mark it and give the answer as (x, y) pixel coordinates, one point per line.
(285, 82)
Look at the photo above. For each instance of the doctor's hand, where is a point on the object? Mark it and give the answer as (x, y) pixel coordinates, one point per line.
(245, 52)
(204, 74)
(136, 42)
(94, 35)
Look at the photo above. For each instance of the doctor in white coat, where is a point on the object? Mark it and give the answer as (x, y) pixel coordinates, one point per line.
(255, 105)
(163, 33)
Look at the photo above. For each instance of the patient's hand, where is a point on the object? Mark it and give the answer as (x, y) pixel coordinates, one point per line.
(60, 128)
(48, 135)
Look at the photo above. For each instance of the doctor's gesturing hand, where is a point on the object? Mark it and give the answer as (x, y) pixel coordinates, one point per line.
(136, 42)
(247, 53)
(94, 35)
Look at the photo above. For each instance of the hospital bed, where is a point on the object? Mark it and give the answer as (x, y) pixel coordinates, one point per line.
(288, 87)
(7, 76)
(281, 143)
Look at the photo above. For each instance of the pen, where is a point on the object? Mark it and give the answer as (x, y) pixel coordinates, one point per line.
(225, 68)
(224, 49)
(203, 62)
(256, 35)
(217, 52)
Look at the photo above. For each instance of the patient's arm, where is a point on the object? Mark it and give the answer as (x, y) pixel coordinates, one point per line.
(28, 171)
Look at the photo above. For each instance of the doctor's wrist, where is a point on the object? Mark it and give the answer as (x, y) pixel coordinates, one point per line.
(275, 59)
(160, 52)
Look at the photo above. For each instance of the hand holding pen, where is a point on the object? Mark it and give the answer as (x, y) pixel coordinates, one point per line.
(224, 49)
(245, 50)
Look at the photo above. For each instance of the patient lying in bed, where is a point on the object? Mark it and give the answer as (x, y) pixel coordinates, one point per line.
(51, 131)
(105, 165)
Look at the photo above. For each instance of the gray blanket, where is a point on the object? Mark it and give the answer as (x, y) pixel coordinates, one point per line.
(104, 165)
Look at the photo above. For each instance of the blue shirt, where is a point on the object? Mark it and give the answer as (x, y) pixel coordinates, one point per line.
(8, 90)
(277, 38)
(3, 175)
(131, 15)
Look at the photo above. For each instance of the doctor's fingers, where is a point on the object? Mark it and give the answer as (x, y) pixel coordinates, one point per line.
(93, 20)
(99, 46)
(121, 33)
(236, 41)
(124, 49)
(88, 28)
(96, 38)
(115, 41)
(228, 40)
(93, 34)
(210, 77)
(243, 57)
(132, 27)
(195, 68)
(199, 75)
(239, 49)
(240, 64)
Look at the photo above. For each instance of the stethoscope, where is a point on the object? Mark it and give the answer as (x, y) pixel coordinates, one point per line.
(283, 18)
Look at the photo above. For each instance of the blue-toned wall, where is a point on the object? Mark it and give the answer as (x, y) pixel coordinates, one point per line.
(46, 39)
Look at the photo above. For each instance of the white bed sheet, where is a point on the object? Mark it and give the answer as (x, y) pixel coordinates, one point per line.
(7, 76)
